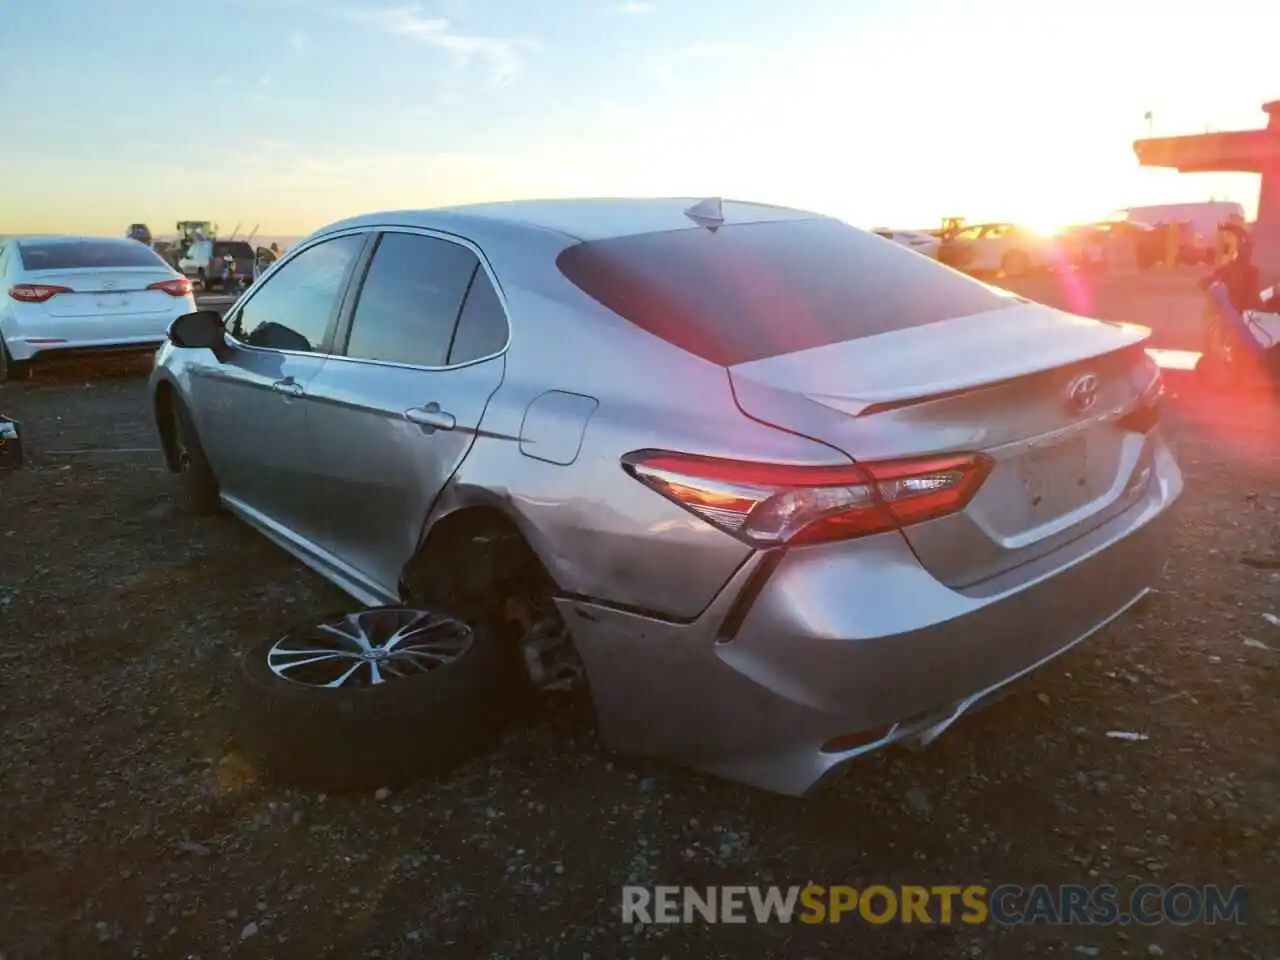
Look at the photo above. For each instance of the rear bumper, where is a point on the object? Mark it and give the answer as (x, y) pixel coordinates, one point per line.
(21, 348)
(842, 641)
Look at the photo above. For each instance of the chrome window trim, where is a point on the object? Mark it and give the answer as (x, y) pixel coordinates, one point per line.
(493, 280)
(249, 294)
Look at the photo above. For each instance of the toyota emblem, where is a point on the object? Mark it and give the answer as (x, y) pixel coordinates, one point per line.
(1082, 393)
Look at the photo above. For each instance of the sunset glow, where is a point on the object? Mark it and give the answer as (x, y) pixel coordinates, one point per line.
(894, 113)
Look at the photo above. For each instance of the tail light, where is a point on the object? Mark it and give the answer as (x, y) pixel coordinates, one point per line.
(36, 292)
(1150, 381)
(179, 287)
(768, 504)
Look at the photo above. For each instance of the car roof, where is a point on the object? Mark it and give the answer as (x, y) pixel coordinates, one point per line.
(577, 219)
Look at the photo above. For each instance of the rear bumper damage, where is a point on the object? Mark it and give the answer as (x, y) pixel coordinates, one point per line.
(844, 650)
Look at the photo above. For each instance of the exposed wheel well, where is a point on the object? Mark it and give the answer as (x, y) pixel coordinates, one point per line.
(164, 423)
(477, 563)
(472, 555)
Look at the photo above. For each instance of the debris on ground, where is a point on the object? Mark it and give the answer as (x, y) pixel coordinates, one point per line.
(131, 826)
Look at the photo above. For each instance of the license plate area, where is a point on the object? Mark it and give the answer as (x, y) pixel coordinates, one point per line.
(110, 301)
(1055, 480)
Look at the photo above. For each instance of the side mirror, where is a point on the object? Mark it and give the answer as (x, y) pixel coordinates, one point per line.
(202, 329)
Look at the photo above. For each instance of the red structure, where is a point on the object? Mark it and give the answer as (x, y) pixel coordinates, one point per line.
(1240, 151)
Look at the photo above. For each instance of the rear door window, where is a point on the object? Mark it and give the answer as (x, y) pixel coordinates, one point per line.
(410, 300)
(85, 255)
(749, 291)
(482, 327)
(295, 306)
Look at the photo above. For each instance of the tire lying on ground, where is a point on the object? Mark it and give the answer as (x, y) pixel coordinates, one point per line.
(379, 697)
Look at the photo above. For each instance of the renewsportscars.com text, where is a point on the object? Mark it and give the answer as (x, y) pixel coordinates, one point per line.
(1007, 904)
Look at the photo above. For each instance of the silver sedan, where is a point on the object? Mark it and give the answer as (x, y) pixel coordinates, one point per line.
(791, 492)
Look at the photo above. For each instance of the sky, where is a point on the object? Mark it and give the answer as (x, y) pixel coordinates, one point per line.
(289, 114)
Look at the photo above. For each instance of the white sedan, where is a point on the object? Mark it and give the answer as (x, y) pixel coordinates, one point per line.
(920, 242)
(83, 294)
(1003, 248)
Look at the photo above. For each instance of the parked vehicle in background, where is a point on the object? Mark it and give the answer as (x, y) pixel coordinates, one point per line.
(1000, 248)
(1113, 243)
(806, 491)
(266, 256)
(167, 251)
(84, 294)
(205, 262)
(1198, 222)
(189, 232)
(916, 240)
(140, 232)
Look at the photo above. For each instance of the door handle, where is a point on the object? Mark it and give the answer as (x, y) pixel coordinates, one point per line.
(288, 386)
(431, 417)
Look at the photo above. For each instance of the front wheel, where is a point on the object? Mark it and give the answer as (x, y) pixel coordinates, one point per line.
(1218, 367)
(10, 369)
(1015, 263)
(196, 481)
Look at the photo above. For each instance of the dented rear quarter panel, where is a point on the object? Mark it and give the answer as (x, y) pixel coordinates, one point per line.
(600, 533)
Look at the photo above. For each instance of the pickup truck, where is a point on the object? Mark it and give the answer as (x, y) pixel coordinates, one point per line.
(205, 263)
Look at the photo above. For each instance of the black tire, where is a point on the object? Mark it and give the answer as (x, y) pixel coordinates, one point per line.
(197, 485)
(10, 369)
(366, 736)
(1220, 367)
(202, 282)
(1015, 263)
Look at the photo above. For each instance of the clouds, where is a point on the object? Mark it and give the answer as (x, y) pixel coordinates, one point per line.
(503, 57)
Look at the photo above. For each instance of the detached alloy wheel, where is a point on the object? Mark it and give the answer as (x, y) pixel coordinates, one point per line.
(378, 697)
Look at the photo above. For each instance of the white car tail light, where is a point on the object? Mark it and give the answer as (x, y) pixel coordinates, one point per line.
(178, 287)
(36, 292)
(770, 504)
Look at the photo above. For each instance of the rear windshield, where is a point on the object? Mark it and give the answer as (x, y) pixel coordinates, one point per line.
(85, 254)
(237, 248)
(750, 291)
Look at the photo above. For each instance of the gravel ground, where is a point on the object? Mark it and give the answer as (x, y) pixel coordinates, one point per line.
(129, 828)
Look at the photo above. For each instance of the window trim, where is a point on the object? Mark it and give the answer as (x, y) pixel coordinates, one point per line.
(342, 334)
(329, 342)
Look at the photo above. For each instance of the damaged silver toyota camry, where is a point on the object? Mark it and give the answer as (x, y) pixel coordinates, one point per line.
(779, 491)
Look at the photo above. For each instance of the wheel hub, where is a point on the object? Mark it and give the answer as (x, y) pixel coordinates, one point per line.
(370, 647)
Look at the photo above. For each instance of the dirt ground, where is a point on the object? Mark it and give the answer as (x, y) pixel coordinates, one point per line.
(127, 829)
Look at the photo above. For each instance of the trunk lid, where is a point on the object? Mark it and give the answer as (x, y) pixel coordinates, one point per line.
(105, 292)
(1011, 383)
